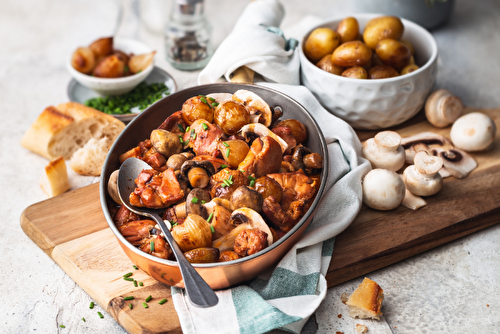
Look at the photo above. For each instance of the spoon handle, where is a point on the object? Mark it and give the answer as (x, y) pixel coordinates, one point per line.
(199, 292)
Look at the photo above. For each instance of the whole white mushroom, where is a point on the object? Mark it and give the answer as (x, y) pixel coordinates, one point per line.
(473, 132)
(384, 151)
(383, 189)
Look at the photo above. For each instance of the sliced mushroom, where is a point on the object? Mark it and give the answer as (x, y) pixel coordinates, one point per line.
(412, 201)
(259, 110)
(210, 206)
(473, 132)
(246, 197)
(427, 138)
(195, 200)
(261, 131)
(442, 108)
(423, 179)
(412, 150)
(113, 187)
(444, 172)
(247, 219)
(197, 172)
(385, 151)
(383, 189)
(457, 162)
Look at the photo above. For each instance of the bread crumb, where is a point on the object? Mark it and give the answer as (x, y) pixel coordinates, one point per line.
(487, 305)
(344, 297)
(361, 329)
(339, 316)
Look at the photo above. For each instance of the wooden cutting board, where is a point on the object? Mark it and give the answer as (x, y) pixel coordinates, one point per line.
(79, 241)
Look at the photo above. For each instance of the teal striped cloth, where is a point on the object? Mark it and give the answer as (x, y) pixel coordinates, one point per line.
(286, 296)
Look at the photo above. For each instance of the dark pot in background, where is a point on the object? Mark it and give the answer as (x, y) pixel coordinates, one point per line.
(430, 14)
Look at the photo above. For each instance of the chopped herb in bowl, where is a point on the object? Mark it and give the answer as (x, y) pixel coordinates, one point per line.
(140, 97)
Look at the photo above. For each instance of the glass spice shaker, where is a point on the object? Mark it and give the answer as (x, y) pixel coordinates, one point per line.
(187, 36)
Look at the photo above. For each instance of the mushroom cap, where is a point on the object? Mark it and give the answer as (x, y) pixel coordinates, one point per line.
(207, 165)
(194, 201)
(443, 108)
(383, 189)
(473, 132)
(420, 184)
(255, 106)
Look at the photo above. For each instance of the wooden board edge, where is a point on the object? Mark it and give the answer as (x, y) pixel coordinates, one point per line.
(40, 239)
(412, 248)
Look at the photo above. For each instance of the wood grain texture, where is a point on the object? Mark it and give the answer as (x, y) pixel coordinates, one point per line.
(72, 230)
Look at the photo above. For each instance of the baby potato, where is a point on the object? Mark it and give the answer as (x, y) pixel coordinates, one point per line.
(195, 108)
(409, 68)
(355, 72)
(382, 72)
(231, 116)
(412, 61)
(376, 60)
(348, 30)
(83, 60)
(409, 45)
(110, 67)
(380, 28)
(320, 42)
(102, 47)
(393, 53)
(299, 131)
(326, 65)
(353, 53)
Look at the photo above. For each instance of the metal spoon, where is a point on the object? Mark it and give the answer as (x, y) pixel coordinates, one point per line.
(199, 292)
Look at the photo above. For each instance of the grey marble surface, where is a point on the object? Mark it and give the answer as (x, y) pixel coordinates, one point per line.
(451, 289)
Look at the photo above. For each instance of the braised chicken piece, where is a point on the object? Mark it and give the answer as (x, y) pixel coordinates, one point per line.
(136, 231)
(286, 134)
(174, 124)
(147, 153)
(156, 189)
(250, 241)
(202, 137)
(221, 189)
(124, 215)
(159, 249)
(228, 255)
(263, 158)
(298, 190)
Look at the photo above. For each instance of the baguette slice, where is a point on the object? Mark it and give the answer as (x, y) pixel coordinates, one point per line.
(89, 159)
(61, 130)
(366, 301)
(55, 179)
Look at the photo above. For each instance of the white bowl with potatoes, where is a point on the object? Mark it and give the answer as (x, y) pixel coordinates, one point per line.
(111, 66)
(373, 71)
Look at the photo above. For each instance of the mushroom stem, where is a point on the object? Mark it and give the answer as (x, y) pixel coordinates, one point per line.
(180, 210)
(198, 177)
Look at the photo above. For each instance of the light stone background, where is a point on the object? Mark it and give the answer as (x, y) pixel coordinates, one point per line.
(445, 290)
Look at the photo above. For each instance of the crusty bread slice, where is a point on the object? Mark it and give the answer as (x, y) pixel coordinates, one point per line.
(61, 130)
(55, 179)
(366, 301)
(89, 159)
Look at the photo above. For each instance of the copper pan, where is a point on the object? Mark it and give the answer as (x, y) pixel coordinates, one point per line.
(217, 275)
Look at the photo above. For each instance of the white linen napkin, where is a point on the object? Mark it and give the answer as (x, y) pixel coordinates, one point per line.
(286, 296)
(253, 44)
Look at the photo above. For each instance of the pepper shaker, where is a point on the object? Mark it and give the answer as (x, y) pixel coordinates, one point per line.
(188, 35)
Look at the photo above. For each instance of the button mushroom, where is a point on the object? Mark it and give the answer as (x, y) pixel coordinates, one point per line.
(246, 197)
(113, 187)
(442, 108)
(258, 108)
(165, 142)
(473, 132)
(423, 179)
(244, 218)
(175, 161)
(261, 131)
(197, 172)
(383, 189)
(385, 151)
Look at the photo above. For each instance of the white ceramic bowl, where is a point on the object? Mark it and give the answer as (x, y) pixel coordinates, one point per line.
(381, 103)
(107, 86)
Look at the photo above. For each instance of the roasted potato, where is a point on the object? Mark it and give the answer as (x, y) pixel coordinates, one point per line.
(353, 53)
(409, 45)
(326, 65)
(230, 116)
(110, 67)
(355, 72)
(83, 60)
(381, 28)
(195, 108)
(393, 53)
(348, 30)
(409, 68)
(320, 42)
(299, 131)
(382, 72)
